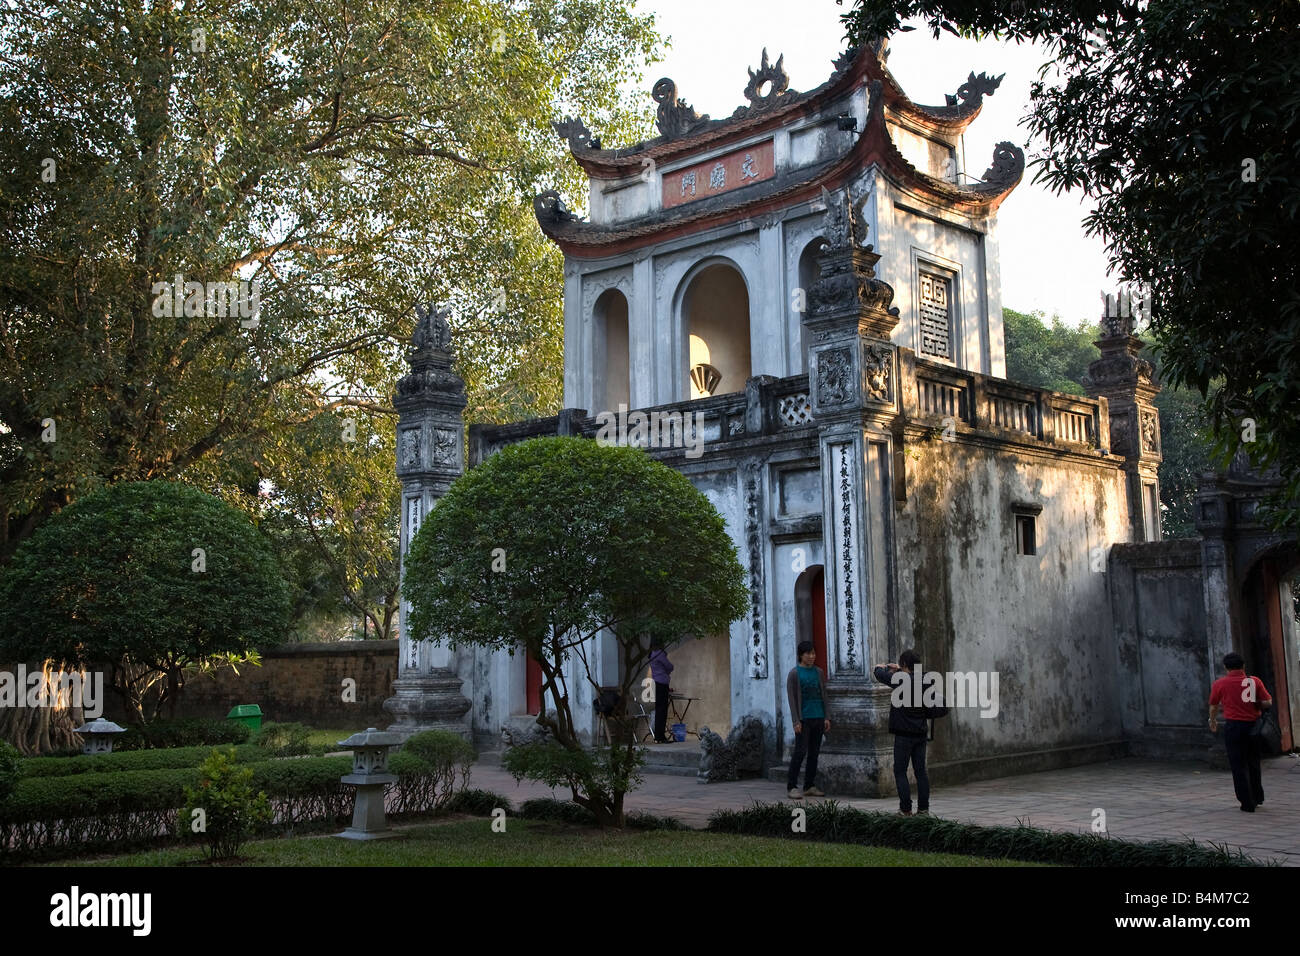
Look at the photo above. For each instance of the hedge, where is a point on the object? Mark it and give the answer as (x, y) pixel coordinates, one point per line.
(60, 816)
(832, 823)
(173, 758)
(183, 732)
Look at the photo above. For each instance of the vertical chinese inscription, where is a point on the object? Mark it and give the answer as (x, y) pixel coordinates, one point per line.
(935, 318)
(754, 539)
(412, 526)
(846, 556)
(688, 179)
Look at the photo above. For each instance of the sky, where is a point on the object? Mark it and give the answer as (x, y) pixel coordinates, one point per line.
(1047, 262)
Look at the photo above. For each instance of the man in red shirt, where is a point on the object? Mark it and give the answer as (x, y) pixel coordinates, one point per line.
(1243, 699)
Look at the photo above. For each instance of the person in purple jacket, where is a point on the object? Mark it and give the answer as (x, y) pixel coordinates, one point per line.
(660, 669)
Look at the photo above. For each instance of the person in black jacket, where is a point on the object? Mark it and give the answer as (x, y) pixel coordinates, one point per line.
(910, 726)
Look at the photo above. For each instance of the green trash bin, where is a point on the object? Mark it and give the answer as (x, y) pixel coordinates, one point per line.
(250, 715)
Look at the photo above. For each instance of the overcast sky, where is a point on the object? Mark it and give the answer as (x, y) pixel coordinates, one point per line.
(1047, 263)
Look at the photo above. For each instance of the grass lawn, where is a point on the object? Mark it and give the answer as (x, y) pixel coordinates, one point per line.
(470, 842)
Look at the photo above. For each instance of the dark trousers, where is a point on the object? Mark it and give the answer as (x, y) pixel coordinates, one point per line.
(911, 749)
(810, 743)
(661, 709)
(1243, 758)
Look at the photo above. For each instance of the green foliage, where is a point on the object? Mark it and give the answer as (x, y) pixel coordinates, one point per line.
(1187, 447)
(1055, 356)
(563, 811)
(1181, 121)
(10, 769)
(479, 803)
(165, 732)
(592, 538)
(115, 570)
(223, 810)
(351, 165)
(641, 820)
(437, 765)
(169, 759)
(284, 740)
(830, 822)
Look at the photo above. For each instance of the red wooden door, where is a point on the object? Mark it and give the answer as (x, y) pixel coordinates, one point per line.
(533, 680)
(817, 593)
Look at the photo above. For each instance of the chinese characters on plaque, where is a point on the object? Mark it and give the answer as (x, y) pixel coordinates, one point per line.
(722, 174)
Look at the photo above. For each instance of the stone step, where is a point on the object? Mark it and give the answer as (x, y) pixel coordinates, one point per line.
(679, 759)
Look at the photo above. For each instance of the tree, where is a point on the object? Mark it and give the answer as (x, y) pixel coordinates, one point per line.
(343, 163)
(154, 578)
(552, 542)
(1055, 357)
(1181, 120)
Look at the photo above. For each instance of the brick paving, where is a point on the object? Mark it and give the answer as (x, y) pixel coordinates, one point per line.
(1143, 800)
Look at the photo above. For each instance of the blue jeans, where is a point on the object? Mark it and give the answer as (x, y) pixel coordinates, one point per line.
(911, 749)
(809, 742)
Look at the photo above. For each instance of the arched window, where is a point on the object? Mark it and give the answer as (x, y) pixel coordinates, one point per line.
(612, 385)
(715, 309)
(809, 272)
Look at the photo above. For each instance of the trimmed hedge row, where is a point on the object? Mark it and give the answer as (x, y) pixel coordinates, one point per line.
(60, 816)
(174, 758)
(832, 823)
(183, 732)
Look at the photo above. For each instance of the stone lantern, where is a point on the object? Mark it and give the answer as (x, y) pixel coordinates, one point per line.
(98, 736)
(370, 776)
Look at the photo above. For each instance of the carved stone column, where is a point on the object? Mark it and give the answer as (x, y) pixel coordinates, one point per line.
(1128, 384)
(430, 456)
(853, 381)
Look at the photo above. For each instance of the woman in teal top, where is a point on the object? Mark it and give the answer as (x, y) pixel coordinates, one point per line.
(806, 688)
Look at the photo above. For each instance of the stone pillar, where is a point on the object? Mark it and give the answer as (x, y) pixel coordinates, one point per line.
(430, 456)
(853, 386)
(1128, 384)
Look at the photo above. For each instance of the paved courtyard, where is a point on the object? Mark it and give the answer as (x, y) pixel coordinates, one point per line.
(1143, 800)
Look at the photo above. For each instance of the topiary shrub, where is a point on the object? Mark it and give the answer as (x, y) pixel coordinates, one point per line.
(223, 810)
(284, 740)
(156, 578)
(547, 545)
(9, 769)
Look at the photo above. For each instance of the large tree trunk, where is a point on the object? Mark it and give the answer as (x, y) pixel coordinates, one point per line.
(43, 730)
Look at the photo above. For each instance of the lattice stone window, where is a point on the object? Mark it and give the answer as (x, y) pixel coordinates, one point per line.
(935, 317)
(795, 410)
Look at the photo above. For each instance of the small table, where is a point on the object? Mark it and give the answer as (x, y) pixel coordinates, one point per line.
(681, 715)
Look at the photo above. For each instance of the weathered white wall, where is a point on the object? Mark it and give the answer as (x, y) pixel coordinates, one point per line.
(968, 602)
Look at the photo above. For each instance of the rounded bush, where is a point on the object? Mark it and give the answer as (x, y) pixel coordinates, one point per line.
(155, 575)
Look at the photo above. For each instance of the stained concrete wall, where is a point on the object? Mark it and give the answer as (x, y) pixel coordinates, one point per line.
(967, 601)
(303, 682)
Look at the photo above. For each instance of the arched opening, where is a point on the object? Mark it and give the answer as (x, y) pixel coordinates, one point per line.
(611, 379)
(715, 310)
(809, 272)
(810, 612)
